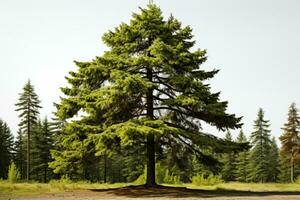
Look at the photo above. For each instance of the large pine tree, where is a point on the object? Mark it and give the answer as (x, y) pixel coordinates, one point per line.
(259, 155)
(147, 87)
(290, 139)
(6, 149)
(28, 105)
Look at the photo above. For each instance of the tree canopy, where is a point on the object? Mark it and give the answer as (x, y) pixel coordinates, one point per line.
(147, 91)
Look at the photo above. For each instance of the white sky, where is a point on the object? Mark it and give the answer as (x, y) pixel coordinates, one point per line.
(255, 43)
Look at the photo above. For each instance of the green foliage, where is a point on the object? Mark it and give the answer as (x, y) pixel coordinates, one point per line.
(28, 105)
(273, 167)
(6, 148)
(211, 179)
(148, 88)
(260, 152)
(42, 143)
(242, 161)
(13, 173)
(142, 178)
(170, 178)
(228, 160)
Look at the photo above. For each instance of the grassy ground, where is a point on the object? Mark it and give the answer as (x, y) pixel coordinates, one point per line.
(59, 187)
(24, 189)
(251, 187)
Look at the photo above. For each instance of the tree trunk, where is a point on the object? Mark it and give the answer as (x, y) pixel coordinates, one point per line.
(292, 170)
(150, 180)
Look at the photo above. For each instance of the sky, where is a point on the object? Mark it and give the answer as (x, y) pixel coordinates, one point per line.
(254, 43)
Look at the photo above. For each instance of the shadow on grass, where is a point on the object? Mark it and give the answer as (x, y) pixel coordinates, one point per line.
(180, 192)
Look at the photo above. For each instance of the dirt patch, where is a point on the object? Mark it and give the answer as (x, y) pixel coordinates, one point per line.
(163, 193)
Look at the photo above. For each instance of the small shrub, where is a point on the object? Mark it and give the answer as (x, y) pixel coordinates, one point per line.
(297, 180)
(162, 175)
(142, 178)
(170, 178)
(210, 180)
(63, 183)
(13, 173)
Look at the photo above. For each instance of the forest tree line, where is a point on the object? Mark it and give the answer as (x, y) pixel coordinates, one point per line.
(140, 108)
(263, 162)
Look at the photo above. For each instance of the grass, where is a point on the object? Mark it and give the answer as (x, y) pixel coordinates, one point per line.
(251, 187)
(24, 189)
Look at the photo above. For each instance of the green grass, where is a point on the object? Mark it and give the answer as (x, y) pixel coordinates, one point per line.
(252, 187)
(23, 189)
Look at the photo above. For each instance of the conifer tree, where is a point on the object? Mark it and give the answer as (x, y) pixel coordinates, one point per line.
(148, 86)
(242, 160)
(260, 140)
(20, 153)
(229, 162)
(290, 141)
(284, 168)
(6, 149)
(273, 161)
(28, 105)
(46, 144)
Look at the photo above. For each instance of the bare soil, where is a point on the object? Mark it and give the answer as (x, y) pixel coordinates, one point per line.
(163, 193)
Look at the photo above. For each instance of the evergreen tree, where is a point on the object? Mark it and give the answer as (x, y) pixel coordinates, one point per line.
(20, 153)
(273, 158)
(242, 161)
(229, 162)
(6, 149)
(260, 139)
(290, 141)
(148, 86)
(42, 144)
(28, 105)
(284, 168)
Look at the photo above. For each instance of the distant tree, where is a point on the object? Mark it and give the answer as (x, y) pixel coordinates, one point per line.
(28, 105)
(284, 168)
(149, 85)
(229, 162)
(20, 153)
(6, 148)
(259, 155)
(290, 141)
(242, 161)
(42, 144)
(273, 158)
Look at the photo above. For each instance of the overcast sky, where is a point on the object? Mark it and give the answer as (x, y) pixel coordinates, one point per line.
(255, 44)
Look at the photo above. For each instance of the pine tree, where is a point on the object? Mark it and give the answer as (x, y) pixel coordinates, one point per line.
(20, 154)
(273, 158)
(290, 141)
(260, 139)
(6, 149)
(229, 162)
(148, 86)
(28, 105)
(242, 161)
